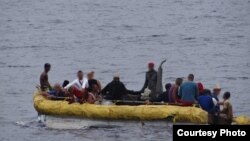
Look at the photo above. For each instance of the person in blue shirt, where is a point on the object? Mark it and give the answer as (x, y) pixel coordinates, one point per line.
(206, 101)
(188, 91)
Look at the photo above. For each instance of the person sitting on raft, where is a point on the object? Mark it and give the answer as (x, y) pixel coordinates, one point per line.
(116, 90)
(174, 90)
(94, 95)
(206, 102)
(92, 82)
(188, 91)
(163, 97)
(44, 79)
(226, 114)
(200, 88)
(57, 91)
(77, 87)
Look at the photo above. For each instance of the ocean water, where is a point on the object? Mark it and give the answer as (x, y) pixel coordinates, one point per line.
(209, 38)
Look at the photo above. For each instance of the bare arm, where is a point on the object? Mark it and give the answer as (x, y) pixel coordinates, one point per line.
(70, 84)
(99, 85)
(162, 62)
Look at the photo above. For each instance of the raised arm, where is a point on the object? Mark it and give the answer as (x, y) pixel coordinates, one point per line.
(162, 62)
(159, 87)
(99, 85)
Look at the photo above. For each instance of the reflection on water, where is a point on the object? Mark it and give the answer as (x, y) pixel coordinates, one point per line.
(207, 38)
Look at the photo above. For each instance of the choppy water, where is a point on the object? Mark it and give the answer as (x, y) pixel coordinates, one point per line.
(209, 38)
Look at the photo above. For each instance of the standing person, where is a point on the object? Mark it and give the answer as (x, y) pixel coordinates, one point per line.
(174, 90)
(188, 91)
(226, 114)
(77, 88)
(153, 80)
(116, 90)
(215, 94)
(92, 82)
(44, 79)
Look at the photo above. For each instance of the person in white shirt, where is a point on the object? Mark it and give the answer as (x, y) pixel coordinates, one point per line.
(77, 87)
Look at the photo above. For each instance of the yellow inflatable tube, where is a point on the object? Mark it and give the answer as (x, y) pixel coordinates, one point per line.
(121, 112)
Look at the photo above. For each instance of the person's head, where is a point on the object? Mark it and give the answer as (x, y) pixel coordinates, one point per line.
(168, 86)
(190, 77)
(151, 66)
(206, 92)
(47, 67)
(178, 81)
(217, 89)
(200, 87)
(91, 75)
(80, 75)
(226, 95)
(57, 87)
(116, 77)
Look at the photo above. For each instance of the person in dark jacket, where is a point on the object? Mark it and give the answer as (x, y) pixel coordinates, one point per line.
(150, 79)
(165, 95)
(116, 90)
(153, 80)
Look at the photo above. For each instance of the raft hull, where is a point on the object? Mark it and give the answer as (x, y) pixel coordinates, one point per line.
(119, 112)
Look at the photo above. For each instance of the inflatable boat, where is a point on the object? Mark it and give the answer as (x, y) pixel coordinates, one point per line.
(149, 113)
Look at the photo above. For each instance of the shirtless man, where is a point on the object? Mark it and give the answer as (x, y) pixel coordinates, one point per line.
(44, 80)
(226, 114)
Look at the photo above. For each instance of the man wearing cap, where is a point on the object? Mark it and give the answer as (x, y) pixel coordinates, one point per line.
(215, 94)
(153, 80)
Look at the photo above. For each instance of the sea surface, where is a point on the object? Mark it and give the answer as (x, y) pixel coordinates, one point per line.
(209, 38)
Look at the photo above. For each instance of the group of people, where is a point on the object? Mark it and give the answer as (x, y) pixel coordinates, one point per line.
(88, 89)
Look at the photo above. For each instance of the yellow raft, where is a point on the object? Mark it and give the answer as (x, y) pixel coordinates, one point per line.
(123, 112)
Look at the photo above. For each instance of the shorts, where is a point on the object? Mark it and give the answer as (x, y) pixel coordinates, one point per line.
(78, 93)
